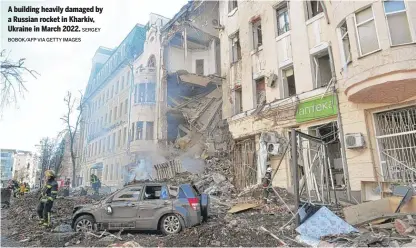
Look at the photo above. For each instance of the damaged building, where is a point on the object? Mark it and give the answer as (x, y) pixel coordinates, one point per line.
(167, 92)
(308, 66)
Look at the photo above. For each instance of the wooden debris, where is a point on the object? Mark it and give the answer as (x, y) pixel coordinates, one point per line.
(242, 207)
(274, 236)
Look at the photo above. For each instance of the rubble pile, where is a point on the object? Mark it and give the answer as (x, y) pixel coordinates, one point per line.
(20, 221)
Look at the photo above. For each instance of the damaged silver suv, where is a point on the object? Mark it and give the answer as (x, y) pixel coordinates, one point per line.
(147, 206)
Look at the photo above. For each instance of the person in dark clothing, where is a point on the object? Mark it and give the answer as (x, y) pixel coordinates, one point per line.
(267, 183)
(48, 195)
(95, 183)
(67, 185)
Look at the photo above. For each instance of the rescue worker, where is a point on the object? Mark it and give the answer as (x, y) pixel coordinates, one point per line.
(267, 183)
(27, 188)
(22, 189)
(95, 183)
(48, 195)
(16, 188)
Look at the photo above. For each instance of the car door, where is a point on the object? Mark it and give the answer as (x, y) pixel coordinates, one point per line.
(155, 203)
(124, 206)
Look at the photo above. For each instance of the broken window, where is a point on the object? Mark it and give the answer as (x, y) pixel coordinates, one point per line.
(235, 48)
(283, 25)
(155, 193)
(260, 91)
(139, 130)
(151, 62)
(199, 66)
(145, 93)
(149, 130)
(238, 101)
(313, 8)
(322, 69)
(128, 194)
(289, 85)
(232, 4)
(257, 35)
(132, 132)
(151, 92)
(367, 33)
(397, 21)
(345, 41)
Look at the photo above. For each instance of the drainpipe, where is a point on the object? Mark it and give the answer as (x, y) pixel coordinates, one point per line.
(340, 127)
(130, 64)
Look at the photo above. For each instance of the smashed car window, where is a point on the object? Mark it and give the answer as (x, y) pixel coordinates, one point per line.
(128, 194)
(152, 192)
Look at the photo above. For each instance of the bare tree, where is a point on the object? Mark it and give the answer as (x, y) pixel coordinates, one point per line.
(72, 126)
(46, 149)
(12, 82)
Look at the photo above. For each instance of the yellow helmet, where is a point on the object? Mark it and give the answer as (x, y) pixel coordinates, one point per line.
(49, 173)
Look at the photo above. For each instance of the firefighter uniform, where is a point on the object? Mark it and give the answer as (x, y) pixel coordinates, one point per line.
(48, 195)
(95, 183)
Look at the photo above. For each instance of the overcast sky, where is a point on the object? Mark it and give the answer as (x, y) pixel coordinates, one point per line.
(64, 66)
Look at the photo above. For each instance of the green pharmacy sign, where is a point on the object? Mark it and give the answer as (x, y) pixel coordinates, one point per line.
(317, 108)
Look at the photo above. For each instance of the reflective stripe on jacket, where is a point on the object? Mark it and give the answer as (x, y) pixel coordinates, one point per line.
(49, 191)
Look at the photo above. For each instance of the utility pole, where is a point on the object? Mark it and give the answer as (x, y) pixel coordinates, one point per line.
(340, 127)
(295, 174)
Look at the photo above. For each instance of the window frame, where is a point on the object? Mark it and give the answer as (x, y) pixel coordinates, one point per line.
(309, 5)
(255, 26)
(238, 56)
(341, 43)
(365, 22)
(238, 109)
(284, 81)
(115, 198)
(231, 6)
(409, 23)
(146, 95)
(148, 132)
(279, 9)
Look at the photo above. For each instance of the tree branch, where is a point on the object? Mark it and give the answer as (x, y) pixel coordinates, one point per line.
(12, 82)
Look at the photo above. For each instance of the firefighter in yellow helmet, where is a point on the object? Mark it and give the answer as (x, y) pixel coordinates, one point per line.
(48, 195)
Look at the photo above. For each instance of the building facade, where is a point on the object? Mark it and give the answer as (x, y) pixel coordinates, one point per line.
(327, 69)
(171, 63)
(118, 134)
(7, 162)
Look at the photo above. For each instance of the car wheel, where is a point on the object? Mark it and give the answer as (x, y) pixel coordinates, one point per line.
(170, 224)
(84, 223)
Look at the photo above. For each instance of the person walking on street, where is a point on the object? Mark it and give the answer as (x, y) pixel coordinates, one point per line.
(267, 183)
(48, 195)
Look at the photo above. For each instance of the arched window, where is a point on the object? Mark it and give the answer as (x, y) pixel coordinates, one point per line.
(151, 62)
